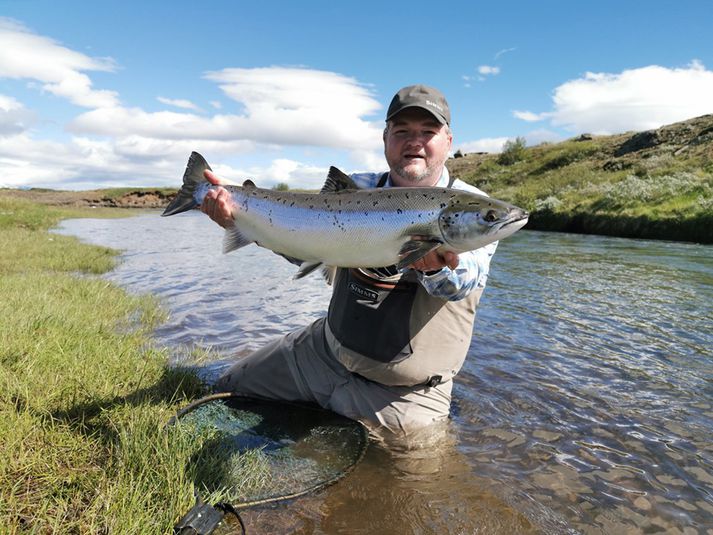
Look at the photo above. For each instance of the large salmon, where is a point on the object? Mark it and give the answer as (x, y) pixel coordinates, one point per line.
(343, 226)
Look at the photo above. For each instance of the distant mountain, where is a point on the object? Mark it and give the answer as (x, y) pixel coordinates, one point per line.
(653, 184)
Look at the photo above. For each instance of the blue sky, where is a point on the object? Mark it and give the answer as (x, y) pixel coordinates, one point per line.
(104, 94)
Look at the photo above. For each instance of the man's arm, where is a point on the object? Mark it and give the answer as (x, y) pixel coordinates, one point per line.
(455, 283)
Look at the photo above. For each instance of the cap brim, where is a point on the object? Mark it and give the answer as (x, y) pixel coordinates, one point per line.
(438, 117)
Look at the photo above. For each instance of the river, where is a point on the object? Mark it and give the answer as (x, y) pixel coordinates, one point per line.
(585, 404)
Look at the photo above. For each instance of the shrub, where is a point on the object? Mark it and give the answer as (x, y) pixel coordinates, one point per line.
(550, 204)
(513, 151)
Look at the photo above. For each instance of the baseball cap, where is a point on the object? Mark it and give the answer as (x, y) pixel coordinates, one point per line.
(420, 96)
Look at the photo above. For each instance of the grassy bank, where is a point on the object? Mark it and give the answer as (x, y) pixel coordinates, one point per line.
(656, 184)
(84, 397)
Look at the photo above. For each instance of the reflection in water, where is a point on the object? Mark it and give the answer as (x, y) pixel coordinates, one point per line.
(585, 405)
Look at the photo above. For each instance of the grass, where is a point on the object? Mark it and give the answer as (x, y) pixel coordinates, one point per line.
(84, 396)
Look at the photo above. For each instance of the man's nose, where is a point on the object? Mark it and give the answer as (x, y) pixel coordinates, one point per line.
(414, 138)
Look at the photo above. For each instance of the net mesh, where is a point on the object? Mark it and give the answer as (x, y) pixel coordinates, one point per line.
(258, 451)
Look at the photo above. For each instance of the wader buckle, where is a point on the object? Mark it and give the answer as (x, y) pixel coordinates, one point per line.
(434, 381)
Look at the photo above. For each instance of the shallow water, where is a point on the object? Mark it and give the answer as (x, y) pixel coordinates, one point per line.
(585, 404)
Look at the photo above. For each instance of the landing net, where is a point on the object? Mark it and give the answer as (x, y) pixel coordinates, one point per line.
(255, 451)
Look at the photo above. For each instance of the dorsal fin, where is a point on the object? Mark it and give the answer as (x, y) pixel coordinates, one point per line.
(249, 184)
(337, 181)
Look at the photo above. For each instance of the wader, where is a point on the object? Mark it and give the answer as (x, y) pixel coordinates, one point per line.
(386, 353)
(371, 337)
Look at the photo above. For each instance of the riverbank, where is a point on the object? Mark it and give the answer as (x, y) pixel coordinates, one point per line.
(656, 184)
(84, 396)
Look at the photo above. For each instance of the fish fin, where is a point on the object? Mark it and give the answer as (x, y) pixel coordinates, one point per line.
(306, 268)
(329, 273)
(338, 181)
(234, 239)
(415, 249)
(249, 184)
(192, 177)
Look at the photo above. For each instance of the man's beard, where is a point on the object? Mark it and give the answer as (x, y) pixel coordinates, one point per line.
(416, 177)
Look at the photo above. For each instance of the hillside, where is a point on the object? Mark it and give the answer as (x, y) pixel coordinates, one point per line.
(654, 184)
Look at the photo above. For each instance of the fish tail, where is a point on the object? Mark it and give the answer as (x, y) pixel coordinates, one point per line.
(192, 178)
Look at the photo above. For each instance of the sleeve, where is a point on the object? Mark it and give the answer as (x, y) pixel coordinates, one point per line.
(455, 284)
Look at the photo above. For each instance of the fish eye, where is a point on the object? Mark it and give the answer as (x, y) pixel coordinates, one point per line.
(491, 216)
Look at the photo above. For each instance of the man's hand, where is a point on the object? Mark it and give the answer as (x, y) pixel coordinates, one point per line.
(435, 261)
(218, 203)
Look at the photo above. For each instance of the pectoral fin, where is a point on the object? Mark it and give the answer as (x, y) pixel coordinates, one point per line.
(415, 249)
(234, 239)
(328, 272)
(306, 268)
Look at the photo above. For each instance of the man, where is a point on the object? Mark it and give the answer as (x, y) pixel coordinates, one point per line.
(391, 343)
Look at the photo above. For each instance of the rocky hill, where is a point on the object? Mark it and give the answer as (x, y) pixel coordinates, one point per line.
(652, 184)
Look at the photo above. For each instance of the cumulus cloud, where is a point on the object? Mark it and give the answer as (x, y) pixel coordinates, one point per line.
(266, 110)
(300, 106)
(26, 55)
(14, 117)
(635, 99)
(483, 72)
(486, 70)
(281, 106)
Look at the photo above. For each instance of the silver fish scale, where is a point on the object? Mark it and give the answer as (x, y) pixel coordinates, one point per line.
(312, 229)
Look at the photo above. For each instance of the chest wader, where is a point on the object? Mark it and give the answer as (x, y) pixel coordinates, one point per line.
(395, 332)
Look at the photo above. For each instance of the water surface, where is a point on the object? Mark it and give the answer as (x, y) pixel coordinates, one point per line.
(585, 404)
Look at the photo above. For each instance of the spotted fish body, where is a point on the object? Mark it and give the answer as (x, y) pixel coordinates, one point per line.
(346, 227)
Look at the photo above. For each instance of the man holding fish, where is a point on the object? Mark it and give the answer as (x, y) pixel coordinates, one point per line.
(395, 335)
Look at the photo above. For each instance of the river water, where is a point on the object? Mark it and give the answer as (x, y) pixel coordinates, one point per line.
(585, 404)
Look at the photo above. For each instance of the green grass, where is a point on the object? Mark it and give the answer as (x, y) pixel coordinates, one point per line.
(583, 186)
(84, 396)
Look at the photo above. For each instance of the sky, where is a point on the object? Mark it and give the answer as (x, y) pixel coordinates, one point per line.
(98, 94)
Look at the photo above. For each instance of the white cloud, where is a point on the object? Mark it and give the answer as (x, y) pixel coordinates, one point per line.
(299, 106)
(270, 110)
(491, 144)
(495, 144)
(528, 116)
(178, 103)
(635, 99)
(26, 55)
(504, 51)
(14, 117)
(486, 70)
(283, 106)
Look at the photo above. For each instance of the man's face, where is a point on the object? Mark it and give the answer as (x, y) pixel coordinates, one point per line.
(416, 146)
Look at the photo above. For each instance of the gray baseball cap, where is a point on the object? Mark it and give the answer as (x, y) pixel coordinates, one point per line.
(420, 96)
